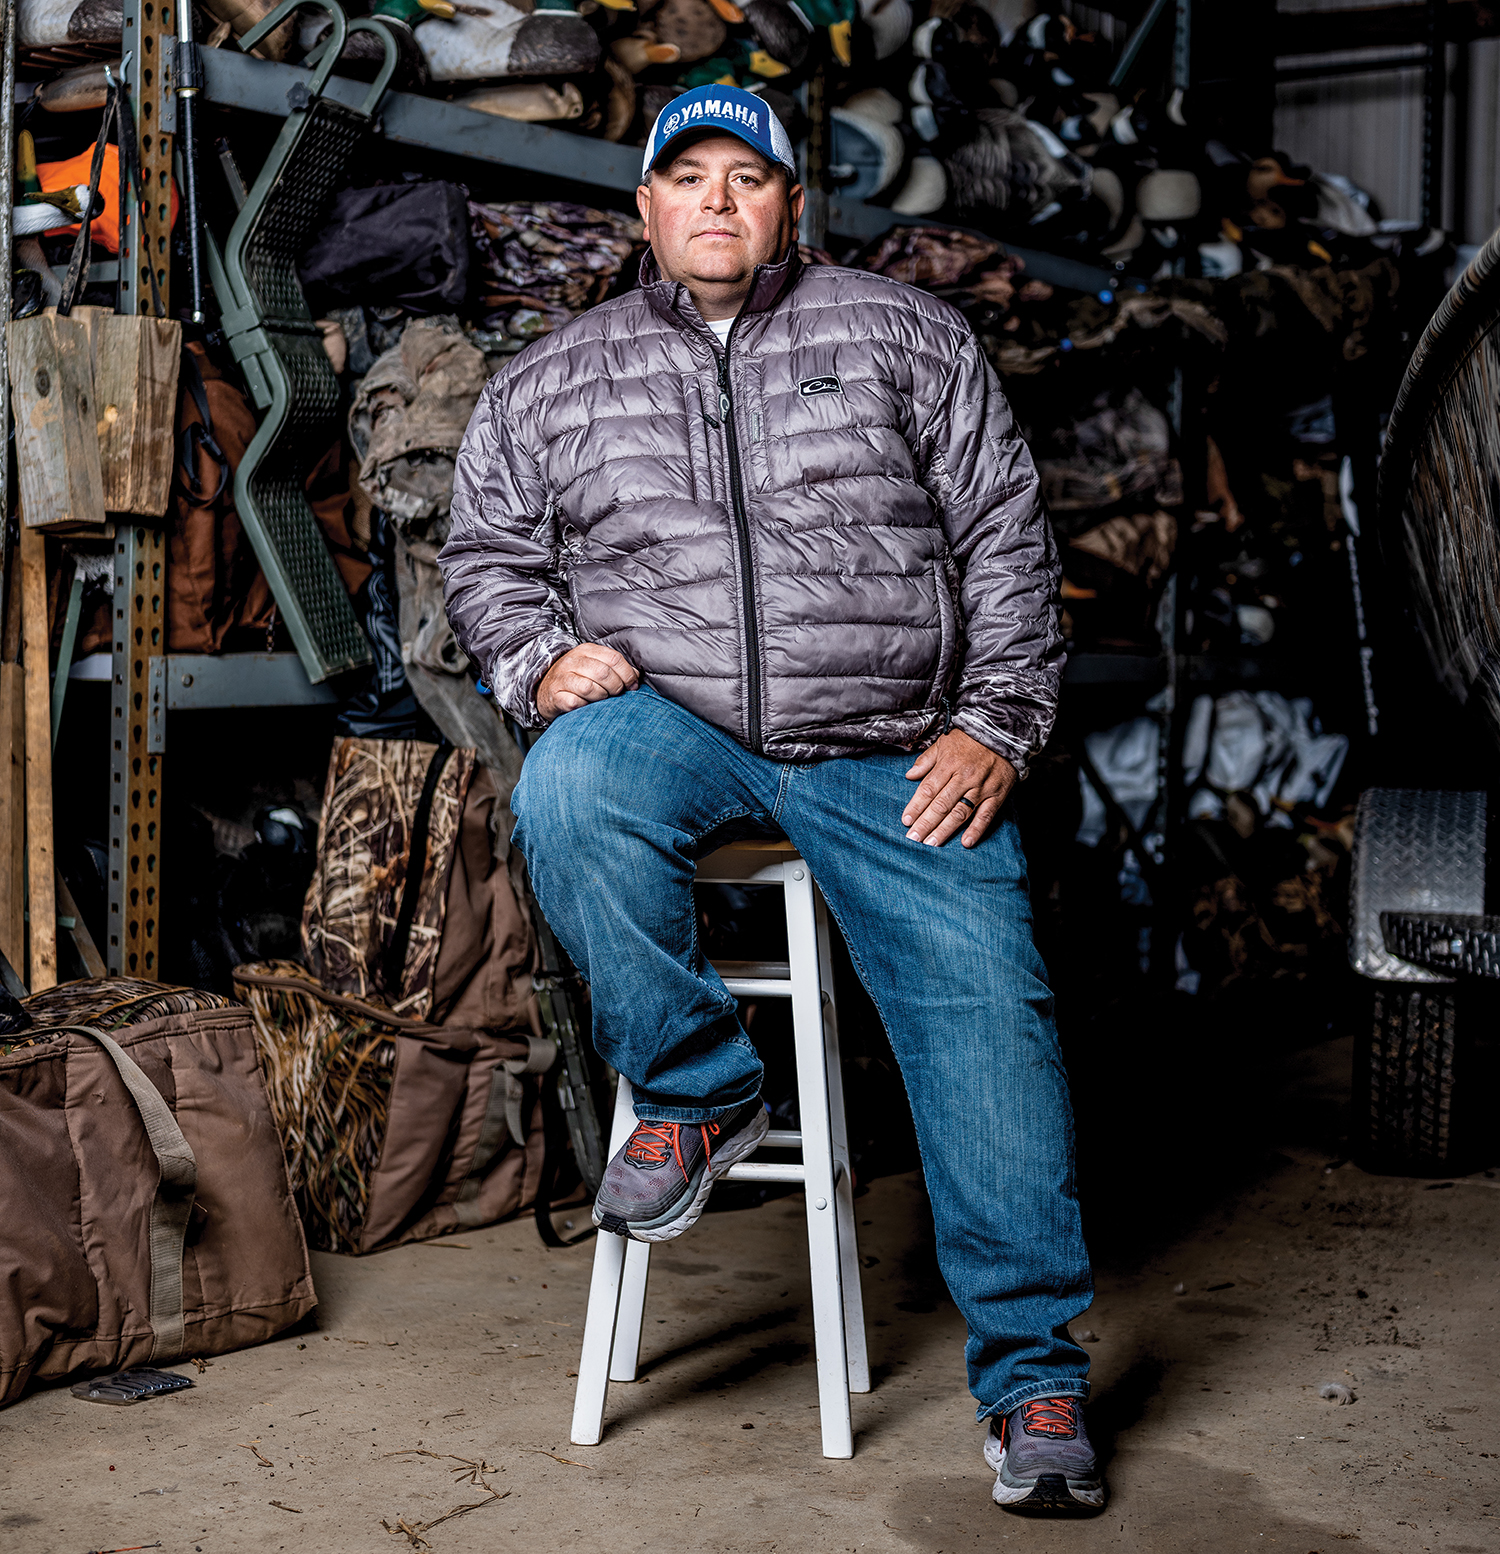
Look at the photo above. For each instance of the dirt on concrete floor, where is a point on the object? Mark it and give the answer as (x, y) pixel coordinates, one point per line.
(1300, 1271)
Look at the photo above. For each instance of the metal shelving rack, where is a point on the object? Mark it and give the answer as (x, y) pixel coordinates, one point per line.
(149, 683)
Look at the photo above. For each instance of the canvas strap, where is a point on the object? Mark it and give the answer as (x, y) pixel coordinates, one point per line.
(173, 1203)
(130, 157)
(502, 1117)
(393, 967)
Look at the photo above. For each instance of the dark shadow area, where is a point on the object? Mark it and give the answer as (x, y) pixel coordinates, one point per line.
(758, 1360)
(1174, 1090)
(1115, 1409)
(724, 1335)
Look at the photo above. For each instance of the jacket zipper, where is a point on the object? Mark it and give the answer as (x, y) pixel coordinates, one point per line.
(742, 531)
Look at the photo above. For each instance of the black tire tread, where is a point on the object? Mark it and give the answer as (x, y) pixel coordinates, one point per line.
(1408, 1079)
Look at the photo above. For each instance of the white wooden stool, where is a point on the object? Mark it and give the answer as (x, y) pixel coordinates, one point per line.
(617, 1293)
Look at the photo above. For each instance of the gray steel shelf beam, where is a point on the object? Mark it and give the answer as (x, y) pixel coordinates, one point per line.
(235, 80)
(195, 682)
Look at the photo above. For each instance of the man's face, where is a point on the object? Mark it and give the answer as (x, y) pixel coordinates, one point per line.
(717, 210)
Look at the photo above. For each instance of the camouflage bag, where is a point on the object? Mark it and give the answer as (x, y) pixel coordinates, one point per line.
(395, 1130)
(411, 1080)
(412, 907)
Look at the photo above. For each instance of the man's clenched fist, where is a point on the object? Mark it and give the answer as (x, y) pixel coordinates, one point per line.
(589, 672)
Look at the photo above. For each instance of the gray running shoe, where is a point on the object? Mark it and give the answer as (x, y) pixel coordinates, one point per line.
(657, 1185)
(1044, 1463)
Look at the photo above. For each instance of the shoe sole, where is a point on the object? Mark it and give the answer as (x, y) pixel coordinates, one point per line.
(730, 1153)
(1049, 1494)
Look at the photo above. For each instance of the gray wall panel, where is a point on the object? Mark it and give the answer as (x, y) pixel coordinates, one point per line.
(1369, 127)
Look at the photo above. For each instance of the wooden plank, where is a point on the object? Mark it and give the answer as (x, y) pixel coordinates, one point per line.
(94, 317)
(135, 394)
(83, 941)
(13, 773)
(13, 815)
(41, 898)
(57, 439)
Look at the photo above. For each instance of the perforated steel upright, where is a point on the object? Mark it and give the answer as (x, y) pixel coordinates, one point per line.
(136, 745)
(150, 37)
(138, 677)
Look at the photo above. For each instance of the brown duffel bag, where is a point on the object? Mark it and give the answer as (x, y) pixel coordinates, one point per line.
(395, 1130)
(148, 1215)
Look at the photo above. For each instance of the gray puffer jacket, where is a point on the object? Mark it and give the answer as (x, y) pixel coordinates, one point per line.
(825, 539)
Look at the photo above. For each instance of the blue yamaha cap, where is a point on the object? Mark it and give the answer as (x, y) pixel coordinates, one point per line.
(728, 110)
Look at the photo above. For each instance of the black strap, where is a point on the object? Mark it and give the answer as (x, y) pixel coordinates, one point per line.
(78, 264)
(555, 1151)
(195, 437)
(130, 157)
(394, 964)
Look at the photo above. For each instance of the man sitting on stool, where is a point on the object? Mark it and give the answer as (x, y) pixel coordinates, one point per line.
(761, 545)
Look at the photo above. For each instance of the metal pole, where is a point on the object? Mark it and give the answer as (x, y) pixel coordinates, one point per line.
(1434, 103)
(189, 83)
(1182, 46)
(1462, 136)
(1136, 42)
(814, 225)
(145, 235)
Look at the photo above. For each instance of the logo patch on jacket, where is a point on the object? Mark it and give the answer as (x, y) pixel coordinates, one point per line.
(810, 386)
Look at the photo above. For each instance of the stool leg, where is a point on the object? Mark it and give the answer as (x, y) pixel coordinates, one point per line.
(854, 1313)
(604, 1304)
(627, 1353)
(817, 1160)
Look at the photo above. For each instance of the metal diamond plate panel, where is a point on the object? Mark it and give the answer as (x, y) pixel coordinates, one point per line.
(1467, 944)
(1415, 850)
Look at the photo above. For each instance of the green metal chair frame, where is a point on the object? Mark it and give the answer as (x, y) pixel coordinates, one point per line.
(279, 349)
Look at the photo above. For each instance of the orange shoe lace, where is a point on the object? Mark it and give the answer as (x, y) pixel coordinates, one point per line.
(650, 1142)
(1050, 1416)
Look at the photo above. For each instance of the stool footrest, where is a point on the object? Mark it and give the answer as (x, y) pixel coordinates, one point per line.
(764, 970)
(751, 1171)
(758, 987)
(759, 1171)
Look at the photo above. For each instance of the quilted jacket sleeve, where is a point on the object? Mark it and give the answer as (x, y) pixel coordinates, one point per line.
(980, 473)
(502, 582)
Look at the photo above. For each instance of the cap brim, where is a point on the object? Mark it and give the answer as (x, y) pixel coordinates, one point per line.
(696, 132)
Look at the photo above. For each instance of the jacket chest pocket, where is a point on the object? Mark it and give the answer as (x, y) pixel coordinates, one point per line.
(704, 439)
(750, 419)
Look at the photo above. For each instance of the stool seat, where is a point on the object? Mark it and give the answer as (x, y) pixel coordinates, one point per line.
(617, 1290)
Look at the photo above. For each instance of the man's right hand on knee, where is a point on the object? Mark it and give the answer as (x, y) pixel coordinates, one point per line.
(589, 672)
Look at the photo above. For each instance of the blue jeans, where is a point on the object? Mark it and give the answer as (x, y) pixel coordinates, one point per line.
(616, 802)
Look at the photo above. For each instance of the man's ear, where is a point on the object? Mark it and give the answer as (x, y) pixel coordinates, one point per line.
(643, 204)
(797, 198)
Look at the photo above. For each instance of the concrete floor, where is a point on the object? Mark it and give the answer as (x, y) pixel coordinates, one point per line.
(1298, 1271)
